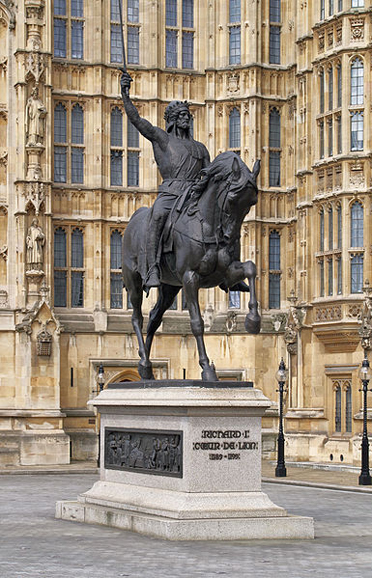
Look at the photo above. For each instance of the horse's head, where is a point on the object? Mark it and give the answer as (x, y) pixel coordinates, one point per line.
(235, 190)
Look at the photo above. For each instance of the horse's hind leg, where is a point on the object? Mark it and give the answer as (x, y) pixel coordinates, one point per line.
(133, 284)
(166, 296)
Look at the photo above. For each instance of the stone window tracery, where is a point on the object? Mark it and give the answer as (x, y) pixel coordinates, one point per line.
(179, 34)
(117, 151)
(234, 129)
(342, 405)
(69, 267)
(69, 147)
(116, 280)
(274, 147)
(132, 32)
(69, 29)
(274, 270)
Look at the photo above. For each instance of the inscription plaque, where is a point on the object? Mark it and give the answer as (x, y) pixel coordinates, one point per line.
(144, 451)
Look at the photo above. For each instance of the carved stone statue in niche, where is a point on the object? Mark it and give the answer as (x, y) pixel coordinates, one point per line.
(35, 119)
(35, 241)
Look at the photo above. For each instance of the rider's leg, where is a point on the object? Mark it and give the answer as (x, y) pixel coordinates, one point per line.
(159, 214)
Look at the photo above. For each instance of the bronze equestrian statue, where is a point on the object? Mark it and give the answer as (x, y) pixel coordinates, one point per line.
(190, 237)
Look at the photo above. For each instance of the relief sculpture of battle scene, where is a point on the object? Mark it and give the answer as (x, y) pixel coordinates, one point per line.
(147, 451)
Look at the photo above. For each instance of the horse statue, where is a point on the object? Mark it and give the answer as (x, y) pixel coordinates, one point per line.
(200, 251)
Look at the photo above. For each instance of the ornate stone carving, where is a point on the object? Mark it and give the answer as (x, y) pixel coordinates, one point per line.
(279, 321)
(233, 83)
(12, 10)
(331, 313)
(44, 342)
(34, 193)
(357, 29)
(35, 64)
(4, 158)
(4, 252)
(365, 317)
(144, 451)
(321, 41)
(3, 299)
(354, 311)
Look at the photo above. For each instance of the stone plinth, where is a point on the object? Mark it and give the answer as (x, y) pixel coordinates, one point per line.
(182, 461)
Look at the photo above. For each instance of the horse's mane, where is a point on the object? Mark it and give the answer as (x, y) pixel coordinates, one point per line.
(221, 168)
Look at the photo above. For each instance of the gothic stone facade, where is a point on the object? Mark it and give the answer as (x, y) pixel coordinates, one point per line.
(287, 82)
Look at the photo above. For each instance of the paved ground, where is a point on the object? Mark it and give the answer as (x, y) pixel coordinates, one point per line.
(34, 544)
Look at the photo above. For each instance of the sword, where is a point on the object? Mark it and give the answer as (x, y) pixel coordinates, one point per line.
(124, 68)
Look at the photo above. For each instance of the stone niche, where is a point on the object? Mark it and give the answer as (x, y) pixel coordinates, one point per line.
(35, 423)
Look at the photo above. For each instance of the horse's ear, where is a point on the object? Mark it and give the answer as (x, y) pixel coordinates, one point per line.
(256, 169)
(236, 169)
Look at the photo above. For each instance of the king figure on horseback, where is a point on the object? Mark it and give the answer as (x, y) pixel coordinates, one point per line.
(180, 160)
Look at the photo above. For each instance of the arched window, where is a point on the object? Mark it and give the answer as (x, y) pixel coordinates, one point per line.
(77, 137)
(115, 250)
(274, 270)
(132, 156)
(356, 131)
(77, 125)
(234, 128)
(274, 148)
(356, 228)
(357, 82)
(356, 274)
(339, 85)
(321, 229)
(330, 88)
(77, 263)
(330, 228)
(116, 281)
(116, 128)
(60, 136)
(321, 90)
(339, 227)
(60, 124)
(60, 268)
(77, 249)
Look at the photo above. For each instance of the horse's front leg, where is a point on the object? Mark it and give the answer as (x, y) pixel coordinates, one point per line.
(253, 318)
(237, 272)
(191, 288)
(133, 285)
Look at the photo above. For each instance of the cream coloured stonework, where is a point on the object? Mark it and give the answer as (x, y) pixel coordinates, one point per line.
(44, 397)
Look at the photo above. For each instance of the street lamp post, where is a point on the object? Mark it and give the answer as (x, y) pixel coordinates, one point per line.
(365, 376)
(100, 379)
(281, 377)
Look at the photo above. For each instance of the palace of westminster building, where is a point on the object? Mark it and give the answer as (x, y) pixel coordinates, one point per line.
(288, 82)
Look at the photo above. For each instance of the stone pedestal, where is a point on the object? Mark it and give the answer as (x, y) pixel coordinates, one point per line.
(182, 461)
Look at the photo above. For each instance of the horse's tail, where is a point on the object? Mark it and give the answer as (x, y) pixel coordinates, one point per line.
(134, 244)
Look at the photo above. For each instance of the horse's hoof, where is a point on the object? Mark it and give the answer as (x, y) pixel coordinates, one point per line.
(209, 374)
(145, 371)
(252, 324)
